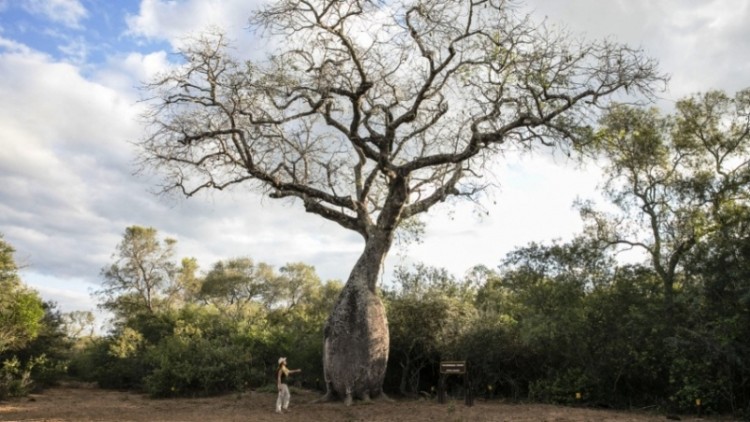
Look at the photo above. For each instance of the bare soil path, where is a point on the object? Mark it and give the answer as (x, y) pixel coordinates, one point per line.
(92, 404)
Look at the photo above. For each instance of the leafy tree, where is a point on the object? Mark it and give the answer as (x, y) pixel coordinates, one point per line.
(49, 352)
(116, 361)
(203, 356)
(624, 354)
(492, 295)
(188, 282)
(79, 329)
(237, 283)
(219, 332)
(548, 286)
(423, 280)
(715, 339)
(370, 114)
(672, 179)
(244, 287)
(22, 322)
(298, 282)
(428, 310)
(21, 314)
(530, 339)
(79, 324)
(21, 309)
(8, 267)
(143, 275)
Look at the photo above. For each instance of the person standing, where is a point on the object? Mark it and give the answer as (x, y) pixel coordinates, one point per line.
(282, 401)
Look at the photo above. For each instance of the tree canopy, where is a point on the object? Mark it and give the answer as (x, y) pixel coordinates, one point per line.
(144, 270)
(21, 309)
(674, 179)
(33, 345)
(363, 94)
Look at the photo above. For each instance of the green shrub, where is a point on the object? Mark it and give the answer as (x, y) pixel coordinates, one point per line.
(47, 372)
(561, 388)
(189, 364)
(15, 378)
(98, 363)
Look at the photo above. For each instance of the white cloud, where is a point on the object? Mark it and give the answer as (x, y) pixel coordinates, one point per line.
(534, 203)
(67, 12)
(700, 43)
(174, 21)
(64, 144)
(11, 46)
(707, 46)
(53, 101)
(126, 72)
(67, 191)
(76, 51)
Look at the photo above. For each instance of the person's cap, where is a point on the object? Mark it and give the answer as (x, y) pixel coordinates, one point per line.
(282, 360)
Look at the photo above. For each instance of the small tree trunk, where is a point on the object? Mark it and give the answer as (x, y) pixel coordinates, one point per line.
(403, 385)
(356, 341)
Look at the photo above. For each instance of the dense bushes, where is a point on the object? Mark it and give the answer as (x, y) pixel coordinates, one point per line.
(33, 348)
(546, 327)
(179, 333)
(192, 362)
(40, 362)
(560, 323)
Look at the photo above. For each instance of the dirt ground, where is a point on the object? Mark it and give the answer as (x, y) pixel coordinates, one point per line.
(91, 404)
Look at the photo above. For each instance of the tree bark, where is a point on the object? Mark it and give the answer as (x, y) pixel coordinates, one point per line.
(356, 340)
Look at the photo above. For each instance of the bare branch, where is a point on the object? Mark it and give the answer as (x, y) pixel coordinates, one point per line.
(371, 113)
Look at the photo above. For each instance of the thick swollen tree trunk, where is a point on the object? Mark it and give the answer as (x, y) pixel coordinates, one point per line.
(355, 349)
(355, 345)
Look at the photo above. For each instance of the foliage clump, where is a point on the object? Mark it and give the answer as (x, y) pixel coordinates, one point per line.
(33, 347)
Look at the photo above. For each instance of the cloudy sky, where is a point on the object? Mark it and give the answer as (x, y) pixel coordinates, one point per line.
(69, 77)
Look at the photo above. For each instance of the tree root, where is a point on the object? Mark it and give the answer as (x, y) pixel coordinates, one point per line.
(326, 398)
(349, 399)
(383, 397)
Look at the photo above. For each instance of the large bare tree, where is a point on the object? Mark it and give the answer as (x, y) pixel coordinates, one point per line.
(371, 112)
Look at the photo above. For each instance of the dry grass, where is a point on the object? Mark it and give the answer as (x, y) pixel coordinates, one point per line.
(84, 403)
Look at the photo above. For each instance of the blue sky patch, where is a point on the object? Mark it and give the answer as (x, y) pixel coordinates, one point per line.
(89, 34)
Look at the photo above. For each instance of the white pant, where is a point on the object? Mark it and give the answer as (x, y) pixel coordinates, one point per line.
(283, 399)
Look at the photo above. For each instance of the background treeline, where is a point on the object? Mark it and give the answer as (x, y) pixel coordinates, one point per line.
(550, 321)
